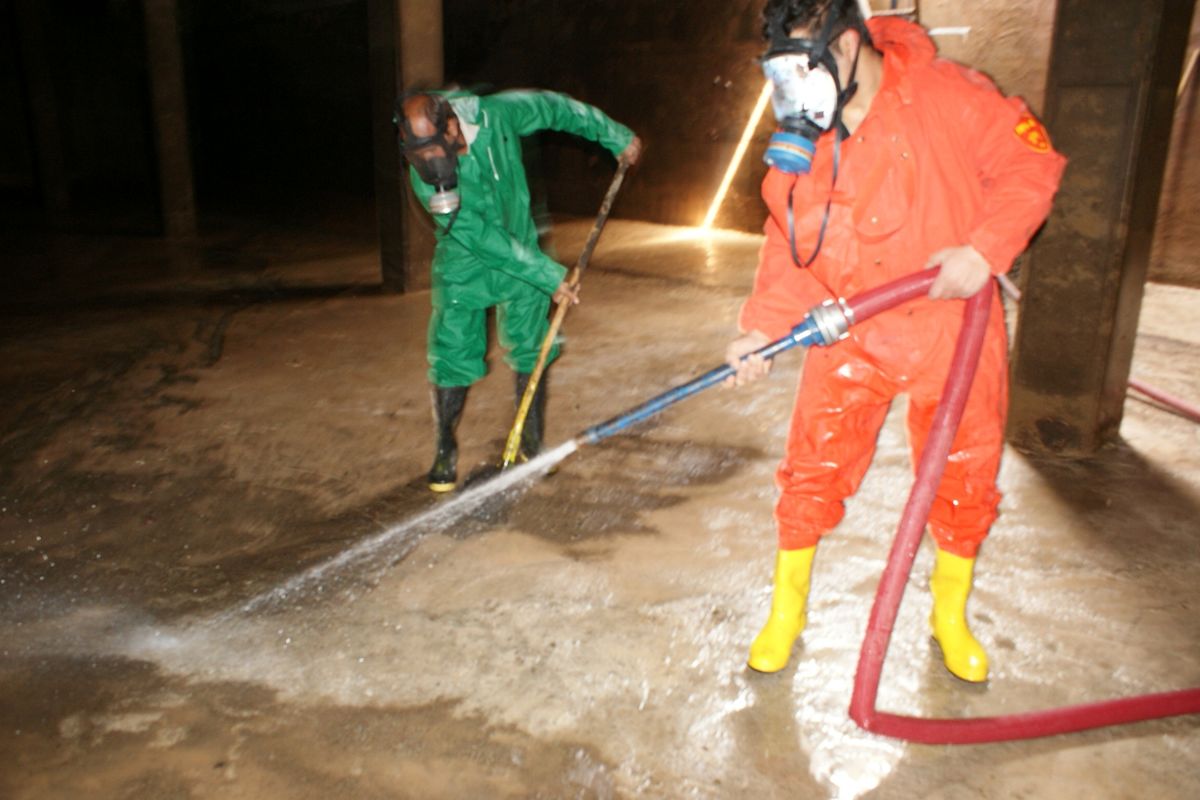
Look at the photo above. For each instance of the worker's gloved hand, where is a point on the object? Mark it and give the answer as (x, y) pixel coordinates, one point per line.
(632, 151)
(747, 369)
(566, 293)
(964, 272)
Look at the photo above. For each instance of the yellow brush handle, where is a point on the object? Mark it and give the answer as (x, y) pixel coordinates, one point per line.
(513, 444)
(514, 436)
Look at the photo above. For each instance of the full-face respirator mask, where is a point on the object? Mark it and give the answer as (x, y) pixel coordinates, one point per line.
(435, 157)
(806, 96)
(805, 100)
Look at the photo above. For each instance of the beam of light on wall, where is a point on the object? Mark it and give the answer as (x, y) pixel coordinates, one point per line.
(1187, 72)
(738, 154)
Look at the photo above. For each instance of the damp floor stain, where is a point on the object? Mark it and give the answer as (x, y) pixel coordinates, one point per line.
(180, 446)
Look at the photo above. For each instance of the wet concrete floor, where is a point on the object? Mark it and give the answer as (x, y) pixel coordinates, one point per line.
(182, 452)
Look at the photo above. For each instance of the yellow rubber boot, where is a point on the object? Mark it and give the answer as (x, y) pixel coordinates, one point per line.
(950, 585)
(773, 645)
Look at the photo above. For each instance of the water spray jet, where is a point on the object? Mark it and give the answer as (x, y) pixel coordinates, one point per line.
(399, 539)
(823, 325)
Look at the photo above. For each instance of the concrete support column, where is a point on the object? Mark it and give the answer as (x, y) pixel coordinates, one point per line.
(168, 100)
(53, 178)
(405, 41)
(1110, 98)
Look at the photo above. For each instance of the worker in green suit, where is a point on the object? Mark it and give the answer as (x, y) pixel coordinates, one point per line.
(464, 155)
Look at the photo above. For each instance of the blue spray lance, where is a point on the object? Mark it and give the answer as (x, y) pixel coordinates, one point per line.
(824, 325)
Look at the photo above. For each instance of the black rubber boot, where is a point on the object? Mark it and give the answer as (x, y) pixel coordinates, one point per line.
(447, 408)
(535, 420)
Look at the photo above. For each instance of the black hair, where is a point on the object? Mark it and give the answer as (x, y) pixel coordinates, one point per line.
(781, 17)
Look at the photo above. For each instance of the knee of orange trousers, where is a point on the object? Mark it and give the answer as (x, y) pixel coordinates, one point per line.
(801, 522)
(813, 491)
(961, 517)
(956, 527)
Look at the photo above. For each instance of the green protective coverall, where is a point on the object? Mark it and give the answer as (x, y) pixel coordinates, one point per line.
(491, 256)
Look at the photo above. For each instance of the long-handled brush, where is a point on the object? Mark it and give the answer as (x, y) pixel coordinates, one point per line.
(513, 445)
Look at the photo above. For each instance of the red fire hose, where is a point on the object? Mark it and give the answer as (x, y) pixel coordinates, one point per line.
(1029, 725)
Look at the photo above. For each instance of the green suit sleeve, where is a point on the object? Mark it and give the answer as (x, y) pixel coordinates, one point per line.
(532, 111)
(490, 243)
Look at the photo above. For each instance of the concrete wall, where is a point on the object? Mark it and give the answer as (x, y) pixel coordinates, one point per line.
(279, 96)
(279, 100)
(683, 74)
(16, 156)
(73, 102)
(277, 91)
(1176, 254)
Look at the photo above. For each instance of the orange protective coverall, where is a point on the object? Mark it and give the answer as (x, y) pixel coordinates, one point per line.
(942, 159)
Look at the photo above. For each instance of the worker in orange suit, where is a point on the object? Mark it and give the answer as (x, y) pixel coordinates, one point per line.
(887, 160)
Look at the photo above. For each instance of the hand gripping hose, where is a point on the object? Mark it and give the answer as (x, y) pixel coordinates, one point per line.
(891, 588)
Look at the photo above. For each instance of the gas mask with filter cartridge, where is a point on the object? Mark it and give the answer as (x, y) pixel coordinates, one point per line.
(434, 157)
(807, 98)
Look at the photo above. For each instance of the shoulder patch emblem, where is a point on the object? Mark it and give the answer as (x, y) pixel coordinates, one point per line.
(1033, 134)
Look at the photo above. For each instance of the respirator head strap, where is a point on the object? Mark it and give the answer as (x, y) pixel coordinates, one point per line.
(851, 88)
(781, 42)
(439, 117)
(439, 170)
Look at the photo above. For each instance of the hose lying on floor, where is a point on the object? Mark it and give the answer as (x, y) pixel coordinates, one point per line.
(891, 589)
